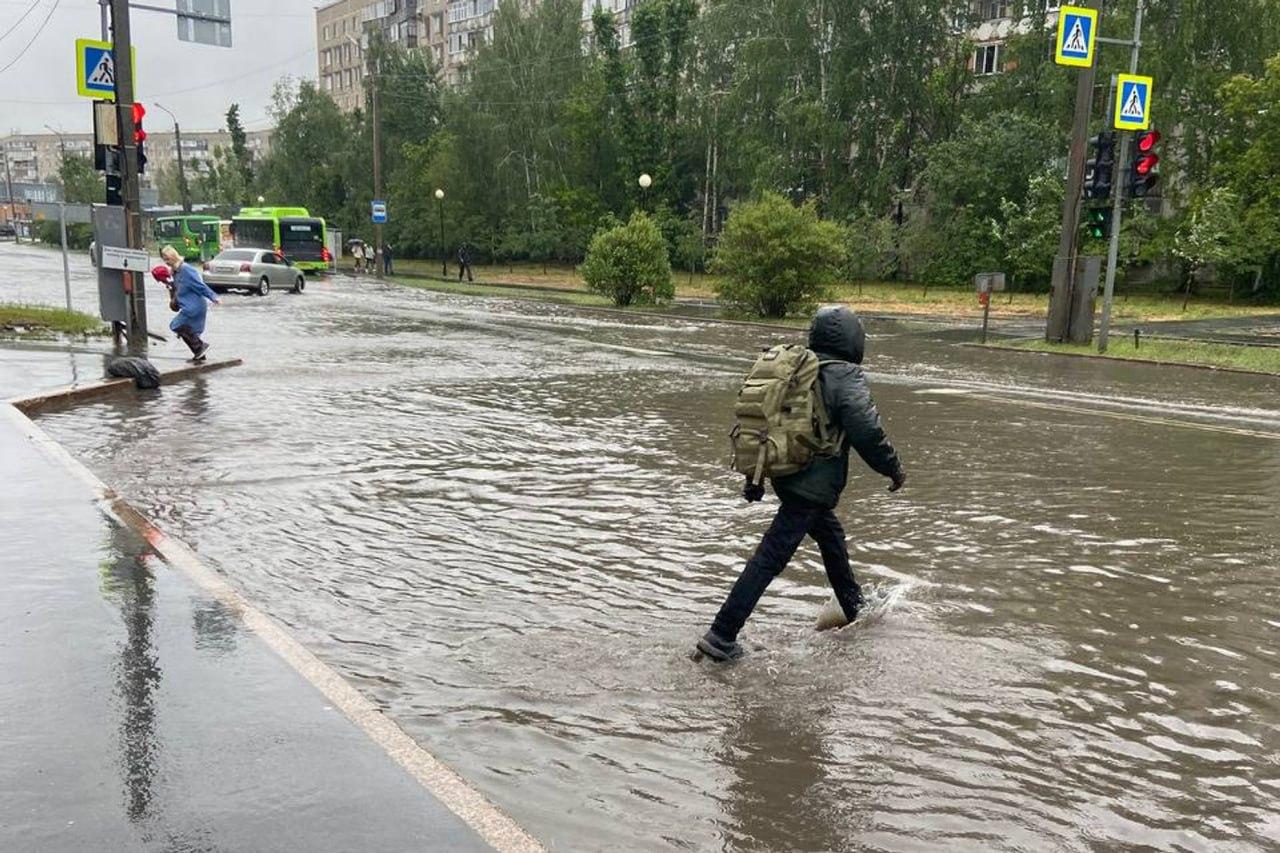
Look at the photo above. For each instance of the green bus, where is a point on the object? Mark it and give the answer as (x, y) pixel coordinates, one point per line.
(290, 231)
(190, 234)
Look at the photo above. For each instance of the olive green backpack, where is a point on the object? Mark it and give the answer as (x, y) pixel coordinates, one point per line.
(782, 422)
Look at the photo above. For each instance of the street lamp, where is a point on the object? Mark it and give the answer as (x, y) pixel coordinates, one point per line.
(646, 181)
(444, 251)
(183, 189)
(262, 199)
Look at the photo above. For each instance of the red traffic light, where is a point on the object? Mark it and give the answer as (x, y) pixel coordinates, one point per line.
(1148, 140)
(1146, 165)
(139, 112)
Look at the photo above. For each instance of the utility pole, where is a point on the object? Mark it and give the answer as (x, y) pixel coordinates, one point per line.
(8, 181)
(183, 189)
(134, 284)
(1062, 300)
(1117, 194)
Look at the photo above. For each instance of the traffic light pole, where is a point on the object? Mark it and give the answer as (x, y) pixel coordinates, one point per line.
(1117, 195)
(134, 284)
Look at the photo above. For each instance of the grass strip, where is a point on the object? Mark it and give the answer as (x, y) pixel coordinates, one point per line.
(1254, 359)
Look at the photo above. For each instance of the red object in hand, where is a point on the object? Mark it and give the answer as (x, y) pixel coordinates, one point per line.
(161, 273)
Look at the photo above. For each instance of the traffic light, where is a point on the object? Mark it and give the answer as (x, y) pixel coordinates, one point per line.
(140, 136)
(1100, 168)
(1097, 223)
(115, 189)
(1143, 177)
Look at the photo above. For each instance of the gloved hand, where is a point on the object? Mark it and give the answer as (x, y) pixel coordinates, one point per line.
(899, 480)
(753, 492)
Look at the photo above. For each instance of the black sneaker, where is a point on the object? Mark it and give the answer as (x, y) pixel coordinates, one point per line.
(200, 354)
(719, 649)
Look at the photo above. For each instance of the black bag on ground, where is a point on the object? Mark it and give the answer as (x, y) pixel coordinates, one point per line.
(143, 373)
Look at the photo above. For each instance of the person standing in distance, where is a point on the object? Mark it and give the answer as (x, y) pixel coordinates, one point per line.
(191, 294)
(809, 497)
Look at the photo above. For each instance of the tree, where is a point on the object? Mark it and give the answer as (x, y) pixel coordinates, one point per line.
(1212, 235)
(80, 183)
(1028, 229)
(629, 264)
(777, 258)
(240, 155)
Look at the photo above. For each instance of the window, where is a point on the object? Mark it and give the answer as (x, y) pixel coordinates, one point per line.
(994, 10)
(986, 60)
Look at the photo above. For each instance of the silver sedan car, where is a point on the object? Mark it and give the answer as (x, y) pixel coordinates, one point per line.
(252, 270)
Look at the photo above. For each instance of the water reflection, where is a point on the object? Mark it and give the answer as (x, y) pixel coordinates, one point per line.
(128, 583)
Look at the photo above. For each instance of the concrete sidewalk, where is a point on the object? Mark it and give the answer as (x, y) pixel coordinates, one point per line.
(145, 707)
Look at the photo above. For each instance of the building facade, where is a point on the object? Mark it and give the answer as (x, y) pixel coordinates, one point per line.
(990, 24)
(35, 158)
(339, 45)
(450, 31)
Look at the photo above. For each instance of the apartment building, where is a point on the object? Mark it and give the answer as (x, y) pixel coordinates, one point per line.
(36, 157)
(339, 32)
(990, 24)
(449, 30)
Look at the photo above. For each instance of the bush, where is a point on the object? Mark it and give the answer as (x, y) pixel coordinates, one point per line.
(629, 263)
(79, 234)
(776, 258)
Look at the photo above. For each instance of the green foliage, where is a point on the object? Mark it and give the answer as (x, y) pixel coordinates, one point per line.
(240, 154)
(1213, 233)
(80, 183)
(1028, 230)
(79, 234)
(629, 264)
(776, 258)
(870, 248)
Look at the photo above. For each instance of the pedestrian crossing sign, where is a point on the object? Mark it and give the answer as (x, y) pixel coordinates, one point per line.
(96, 69)
(1133, 102)
(1077, 36)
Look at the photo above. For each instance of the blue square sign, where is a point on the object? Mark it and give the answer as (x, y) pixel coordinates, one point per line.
(379, 213)
(1077, 36)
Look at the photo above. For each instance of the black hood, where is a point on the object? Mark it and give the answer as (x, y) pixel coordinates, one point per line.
(837, 331)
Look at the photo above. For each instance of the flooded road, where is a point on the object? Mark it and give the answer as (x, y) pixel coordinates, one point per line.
(507, 522)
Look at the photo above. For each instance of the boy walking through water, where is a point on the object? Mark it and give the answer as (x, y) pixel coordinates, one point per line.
(809, 497)
(190, 293)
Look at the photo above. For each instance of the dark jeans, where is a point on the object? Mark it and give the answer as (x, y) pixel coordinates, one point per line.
(465, 267)
(793, 522)
(190, 338)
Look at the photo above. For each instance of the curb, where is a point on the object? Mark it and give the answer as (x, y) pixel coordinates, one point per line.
(106, 387)
(494, 826)
(1125, 360)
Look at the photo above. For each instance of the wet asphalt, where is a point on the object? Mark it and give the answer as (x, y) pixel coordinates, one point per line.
(505, 522)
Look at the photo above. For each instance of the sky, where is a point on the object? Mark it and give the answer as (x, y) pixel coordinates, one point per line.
(271, 38)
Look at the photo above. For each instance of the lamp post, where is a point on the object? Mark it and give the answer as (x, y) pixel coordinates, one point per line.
(374, 117)
(646, 181)
(183, 189)
(444, 250)
(62, 217)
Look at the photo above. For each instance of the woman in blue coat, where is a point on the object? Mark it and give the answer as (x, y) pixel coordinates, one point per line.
(191, 295)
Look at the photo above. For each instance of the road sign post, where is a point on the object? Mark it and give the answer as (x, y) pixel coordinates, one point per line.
(1138, 89)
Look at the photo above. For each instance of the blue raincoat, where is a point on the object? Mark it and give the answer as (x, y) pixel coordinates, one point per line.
(192, 293)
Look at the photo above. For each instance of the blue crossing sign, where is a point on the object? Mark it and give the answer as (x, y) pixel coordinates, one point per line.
(1077, 36)
(1133, 102)
(379, 213)
(96, 69)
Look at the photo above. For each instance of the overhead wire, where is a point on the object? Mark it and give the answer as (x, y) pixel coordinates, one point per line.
(43, 24)
(21, 18)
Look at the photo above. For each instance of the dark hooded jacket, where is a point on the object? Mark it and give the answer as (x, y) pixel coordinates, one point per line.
(836, 335)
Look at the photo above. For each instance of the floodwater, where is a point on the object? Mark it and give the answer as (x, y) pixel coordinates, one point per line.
(507, 523)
